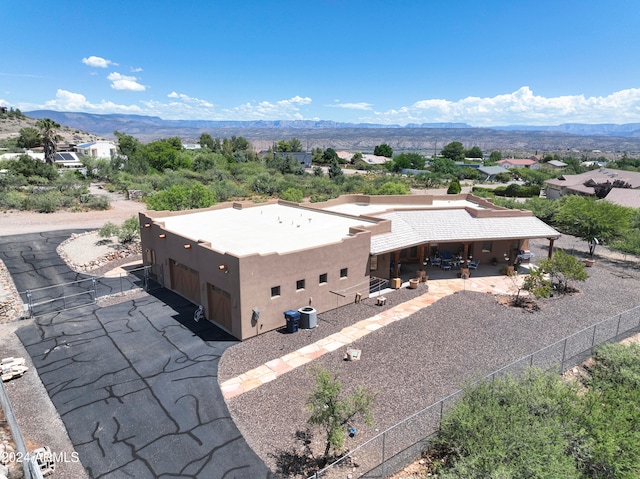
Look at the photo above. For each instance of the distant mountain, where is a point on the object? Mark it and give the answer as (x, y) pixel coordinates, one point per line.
(608, 129)
(427, 137)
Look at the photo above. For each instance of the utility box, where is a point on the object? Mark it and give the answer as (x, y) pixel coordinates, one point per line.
(308, 317)
(396, 283)
(292, 318)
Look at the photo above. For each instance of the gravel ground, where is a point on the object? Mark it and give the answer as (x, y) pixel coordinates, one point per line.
(415, 362)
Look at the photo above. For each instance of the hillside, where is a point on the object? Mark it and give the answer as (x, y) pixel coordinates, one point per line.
(10, 128)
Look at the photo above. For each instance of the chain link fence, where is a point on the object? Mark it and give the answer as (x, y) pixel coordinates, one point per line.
(398, 446)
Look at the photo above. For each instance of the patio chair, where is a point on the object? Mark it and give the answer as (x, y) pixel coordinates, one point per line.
(436, 261)
(474, 264)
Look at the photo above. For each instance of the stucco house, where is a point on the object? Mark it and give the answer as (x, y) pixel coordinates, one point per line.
(98, 149)
(579, 184)
(519, 163)
(246, 264)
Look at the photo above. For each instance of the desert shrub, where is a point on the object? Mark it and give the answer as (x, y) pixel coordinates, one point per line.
(12, 200)
(454, 187)
(292, 194)
(45, 202)
(181, 197)
(393, 188)
(97, 202)
(511, 428)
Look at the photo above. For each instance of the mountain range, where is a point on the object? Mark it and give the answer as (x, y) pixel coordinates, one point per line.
(363, 137)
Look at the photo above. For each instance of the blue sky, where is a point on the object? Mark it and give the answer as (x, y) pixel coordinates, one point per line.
(543, 62)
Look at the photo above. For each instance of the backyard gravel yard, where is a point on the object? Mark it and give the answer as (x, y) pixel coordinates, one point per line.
(417, 361)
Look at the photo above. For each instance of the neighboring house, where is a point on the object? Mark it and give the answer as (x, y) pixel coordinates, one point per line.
(97, 149)
(520, 163)
(577, 184)
(556, 164)
(302, 157)
(191, 146)
(374, 159)
(492, 171)
(246, 264)
(624, 197)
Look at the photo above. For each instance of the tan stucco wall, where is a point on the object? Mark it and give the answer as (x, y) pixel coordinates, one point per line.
(249, 279)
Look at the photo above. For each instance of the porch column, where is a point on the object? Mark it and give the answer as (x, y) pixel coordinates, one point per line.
(396, 259)
(550, 254)
(465, 253)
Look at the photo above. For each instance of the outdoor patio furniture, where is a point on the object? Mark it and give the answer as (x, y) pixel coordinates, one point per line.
(446, 265)
(474, 264)
(436, 261)
(446, 255)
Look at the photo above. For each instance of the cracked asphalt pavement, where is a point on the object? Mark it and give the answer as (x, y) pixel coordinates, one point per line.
(135, 383)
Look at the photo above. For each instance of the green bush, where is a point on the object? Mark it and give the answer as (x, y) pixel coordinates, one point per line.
(45, 202)
(97, 202)
(12, 200)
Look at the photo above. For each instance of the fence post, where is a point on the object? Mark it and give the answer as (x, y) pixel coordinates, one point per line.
(146, 278)
(95, 289)
(384, 460)
(120, 278)
(593, 338)
(564, 352)
(29, 303)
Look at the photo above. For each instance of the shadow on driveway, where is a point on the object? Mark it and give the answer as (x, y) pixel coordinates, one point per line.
(135, 383)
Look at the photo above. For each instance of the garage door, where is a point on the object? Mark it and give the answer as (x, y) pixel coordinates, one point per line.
(185, 281)
(219, 306)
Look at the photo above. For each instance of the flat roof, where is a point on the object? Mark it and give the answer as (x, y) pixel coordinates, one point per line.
(273, 228)
(358, 209)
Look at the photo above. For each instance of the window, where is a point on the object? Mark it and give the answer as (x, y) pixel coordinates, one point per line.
(300, 284)
(344, 272)
(275, 291)
(486, 246)
(323, 278)
(373, 265)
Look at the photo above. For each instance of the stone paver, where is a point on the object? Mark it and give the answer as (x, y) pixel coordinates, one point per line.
(438, 289)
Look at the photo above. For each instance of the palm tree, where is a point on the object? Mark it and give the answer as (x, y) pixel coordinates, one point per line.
(48, 131)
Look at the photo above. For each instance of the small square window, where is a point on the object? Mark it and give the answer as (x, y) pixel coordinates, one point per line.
(323, 278)
(275, 291)
(344, 272)
(300, 284)
(486, 246)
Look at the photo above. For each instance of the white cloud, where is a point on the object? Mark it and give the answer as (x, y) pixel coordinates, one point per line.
(123, 82)
(353, 106)
(97, 62)
(69, 101)
(520, 107)
(136, 70)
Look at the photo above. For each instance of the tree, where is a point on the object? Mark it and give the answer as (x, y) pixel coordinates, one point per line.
(295, 144)
(206, 141)
(454, 187)
(29, 137)
(50, 138)
(562, 269)
(453, 151)
(357, 156)
(335, 172)
(589, 219)
(127, 144)
(335, 414)
(473, 152)
(383, 150)
(409, 160)
(495, 156)
(329, 155)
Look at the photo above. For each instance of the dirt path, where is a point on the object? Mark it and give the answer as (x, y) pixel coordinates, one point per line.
(19, 222)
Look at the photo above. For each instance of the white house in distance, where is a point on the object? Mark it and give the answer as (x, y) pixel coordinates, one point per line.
(98, 149)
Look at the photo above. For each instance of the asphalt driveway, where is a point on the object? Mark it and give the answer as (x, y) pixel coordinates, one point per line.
(136, 382)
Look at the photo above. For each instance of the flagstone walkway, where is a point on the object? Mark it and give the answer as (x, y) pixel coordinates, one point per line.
(438, 289)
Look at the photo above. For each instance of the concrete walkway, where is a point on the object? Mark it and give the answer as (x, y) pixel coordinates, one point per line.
(438, 289)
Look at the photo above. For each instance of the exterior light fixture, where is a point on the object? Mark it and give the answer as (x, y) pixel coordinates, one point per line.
(147, 225)
(162, 236)
(223, 267)
(187, 246)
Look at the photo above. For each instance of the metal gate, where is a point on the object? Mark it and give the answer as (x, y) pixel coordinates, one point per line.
(83, 292)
